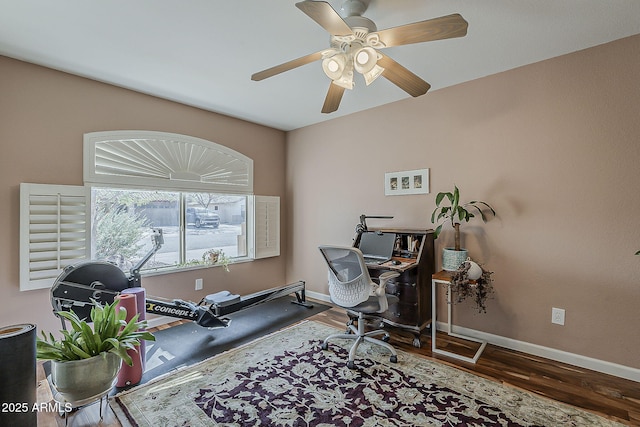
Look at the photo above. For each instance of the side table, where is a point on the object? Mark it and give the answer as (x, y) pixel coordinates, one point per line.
(444, 278)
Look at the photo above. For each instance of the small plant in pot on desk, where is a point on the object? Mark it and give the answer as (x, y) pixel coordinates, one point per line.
(86, 360)
(455, 213)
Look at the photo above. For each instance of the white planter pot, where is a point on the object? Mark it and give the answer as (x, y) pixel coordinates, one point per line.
(87, 379)
(475, 271)
(452, 259)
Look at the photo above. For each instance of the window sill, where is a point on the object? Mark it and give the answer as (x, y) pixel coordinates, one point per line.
(172, 270)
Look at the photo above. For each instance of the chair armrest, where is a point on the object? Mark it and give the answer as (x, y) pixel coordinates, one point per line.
(380, 289)
(384, 278)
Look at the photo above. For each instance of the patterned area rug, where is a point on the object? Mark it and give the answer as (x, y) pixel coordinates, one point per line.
(284, 379)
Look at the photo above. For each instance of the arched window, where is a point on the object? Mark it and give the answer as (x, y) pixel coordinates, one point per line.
(165, 160)
(198, 192)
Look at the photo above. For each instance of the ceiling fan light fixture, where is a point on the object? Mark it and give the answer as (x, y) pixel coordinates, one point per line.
(346, 79)
(365, 59)
(373, 74)
(334, 66)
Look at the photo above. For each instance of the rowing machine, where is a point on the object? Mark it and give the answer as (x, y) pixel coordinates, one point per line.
(79, 285)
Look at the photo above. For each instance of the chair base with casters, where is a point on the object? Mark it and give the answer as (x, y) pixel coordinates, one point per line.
(359, 335)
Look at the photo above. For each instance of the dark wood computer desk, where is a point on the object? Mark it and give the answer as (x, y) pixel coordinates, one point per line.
(414, 250)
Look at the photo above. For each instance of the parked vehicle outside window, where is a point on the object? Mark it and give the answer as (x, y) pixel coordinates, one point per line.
(202, 217)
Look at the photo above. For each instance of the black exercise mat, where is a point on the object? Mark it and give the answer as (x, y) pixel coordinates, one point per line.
(186, 344)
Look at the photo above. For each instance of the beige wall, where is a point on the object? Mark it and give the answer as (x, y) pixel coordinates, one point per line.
(553, 146)
(43, 116)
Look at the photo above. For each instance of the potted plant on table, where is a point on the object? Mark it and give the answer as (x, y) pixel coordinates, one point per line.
(456, 212)
(471, 280)
(86, 360)
(216, 256)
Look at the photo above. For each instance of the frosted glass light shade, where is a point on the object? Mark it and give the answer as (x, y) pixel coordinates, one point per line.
(370, 76)
(365, 59)
(346, 80)
(334, 66)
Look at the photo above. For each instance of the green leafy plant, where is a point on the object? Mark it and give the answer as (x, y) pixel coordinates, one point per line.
(456, 212)
(110, 333)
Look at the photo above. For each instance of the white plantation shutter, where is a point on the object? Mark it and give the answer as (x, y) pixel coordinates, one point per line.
(54, 232)
(165, 160)
(266, 226)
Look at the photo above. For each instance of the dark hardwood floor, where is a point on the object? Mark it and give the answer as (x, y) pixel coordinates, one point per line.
(609, 396)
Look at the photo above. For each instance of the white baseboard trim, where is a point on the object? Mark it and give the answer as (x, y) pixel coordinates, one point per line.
(605, 367)
(585, 362)
(318, 296)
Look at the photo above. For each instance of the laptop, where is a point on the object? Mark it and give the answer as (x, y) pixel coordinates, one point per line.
(377, 248)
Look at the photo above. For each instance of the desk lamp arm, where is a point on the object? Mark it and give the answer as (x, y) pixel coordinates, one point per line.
(362, 226)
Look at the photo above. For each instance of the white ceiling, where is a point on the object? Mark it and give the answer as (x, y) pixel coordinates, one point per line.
(203, 52)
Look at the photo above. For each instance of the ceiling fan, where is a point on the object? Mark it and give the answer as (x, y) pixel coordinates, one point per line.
(355, 43)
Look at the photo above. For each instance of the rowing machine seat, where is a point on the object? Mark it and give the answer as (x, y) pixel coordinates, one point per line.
(222, 299)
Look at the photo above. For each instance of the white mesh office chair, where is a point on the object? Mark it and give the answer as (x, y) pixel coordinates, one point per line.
(351, 287)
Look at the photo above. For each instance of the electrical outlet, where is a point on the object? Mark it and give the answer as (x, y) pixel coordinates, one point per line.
(557, 316)
(198, 284)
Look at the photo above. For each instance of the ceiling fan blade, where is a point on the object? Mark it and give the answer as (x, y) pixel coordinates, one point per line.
(403, 78)
(326, 16)
(270, 72)
(445, 27)
(334, 96)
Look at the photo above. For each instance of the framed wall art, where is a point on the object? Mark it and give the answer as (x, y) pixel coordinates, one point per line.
(406, 182)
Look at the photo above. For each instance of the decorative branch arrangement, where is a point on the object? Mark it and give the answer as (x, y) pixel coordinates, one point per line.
(479, 289)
